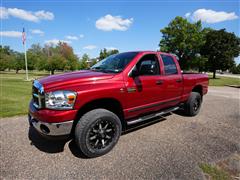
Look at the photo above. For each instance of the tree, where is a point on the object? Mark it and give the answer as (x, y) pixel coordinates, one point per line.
(36, 57)
(55, 62)
(83, 64)
(4, 61)
(111, 52)
(18, 62)
(6, 57)
(184, 39)
(63, 50)
(67, 52)
(235, 69)
(220, 48)
(104, 53)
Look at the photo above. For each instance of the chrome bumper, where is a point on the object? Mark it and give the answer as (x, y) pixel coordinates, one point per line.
(51, 129)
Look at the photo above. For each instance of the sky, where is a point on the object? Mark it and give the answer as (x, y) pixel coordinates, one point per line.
(89, 26)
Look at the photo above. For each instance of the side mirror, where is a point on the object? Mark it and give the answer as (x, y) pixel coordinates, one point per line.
(134, 73)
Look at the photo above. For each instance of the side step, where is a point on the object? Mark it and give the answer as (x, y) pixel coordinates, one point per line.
(150, 116)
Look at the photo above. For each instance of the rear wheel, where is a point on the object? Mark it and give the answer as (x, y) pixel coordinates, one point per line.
(97, 132)
(193, 105)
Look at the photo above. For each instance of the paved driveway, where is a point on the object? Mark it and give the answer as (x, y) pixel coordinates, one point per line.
(169, 149)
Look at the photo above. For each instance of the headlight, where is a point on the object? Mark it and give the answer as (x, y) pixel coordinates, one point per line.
(60, 100)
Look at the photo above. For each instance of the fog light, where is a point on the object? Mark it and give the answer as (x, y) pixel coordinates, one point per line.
(44, 129)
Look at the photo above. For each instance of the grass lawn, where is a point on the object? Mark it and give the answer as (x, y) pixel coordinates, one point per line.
(15, 92)
(222, 81)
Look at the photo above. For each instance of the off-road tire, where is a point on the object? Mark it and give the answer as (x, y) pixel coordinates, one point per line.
(89, 131)
(193, 104)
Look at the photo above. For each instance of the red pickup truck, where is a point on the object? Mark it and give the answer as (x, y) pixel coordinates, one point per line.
(96, 105)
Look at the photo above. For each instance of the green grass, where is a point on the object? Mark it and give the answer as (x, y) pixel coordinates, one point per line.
(15, 92)
(222, 81)
(214, 172)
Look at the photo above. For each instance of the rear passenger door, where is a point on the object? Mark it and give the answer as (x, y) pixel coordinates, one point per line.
(173, 83)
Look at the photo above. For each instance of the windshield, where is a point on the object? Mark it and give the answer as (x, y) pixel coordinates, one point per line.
(114, 63)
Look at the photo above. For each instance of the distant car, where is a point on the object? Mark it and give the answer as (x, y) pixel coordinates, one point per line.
(96, 105)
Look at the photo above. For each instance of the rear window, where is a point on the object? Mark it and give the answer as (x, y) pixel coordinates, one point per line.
(169, 65)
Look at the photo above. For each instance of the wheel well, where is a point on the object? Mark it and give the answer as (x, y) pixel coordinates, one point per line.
(198, 89)
(110, 104)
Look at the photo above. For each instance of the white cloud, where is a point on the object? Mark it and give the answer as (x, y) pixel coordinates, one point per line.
(44, 15)
(25, 15)
(3, 13)
(22, 14)
(109, 23)
(211, 16)
(13, 34)
(69, 37)
(56, 41)
(37, 31)
(81, 36)
(110, 48)
(187, 15)
(90, 47)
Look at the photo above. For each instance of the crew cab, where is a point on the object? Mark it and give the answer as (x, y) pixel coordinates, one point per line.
(97, 105)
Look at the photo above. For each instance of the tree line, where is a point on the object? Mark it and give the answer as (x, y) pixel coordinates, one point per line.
(50, 58)
(197, 48)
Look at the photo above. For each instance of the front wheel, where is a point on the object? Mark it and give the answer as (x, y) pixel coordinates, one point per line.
(193, 105)
(97, 132)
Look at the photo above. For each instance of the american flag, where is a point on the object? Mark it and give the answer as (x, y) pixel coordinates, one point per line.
(23, 36)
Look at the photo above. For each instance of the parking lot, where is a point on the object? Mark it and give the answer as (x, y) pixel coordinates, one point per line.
(171, 148)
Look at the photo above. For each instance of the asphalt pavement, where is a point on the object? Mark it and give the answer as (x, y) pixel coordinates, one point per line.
(171, 148)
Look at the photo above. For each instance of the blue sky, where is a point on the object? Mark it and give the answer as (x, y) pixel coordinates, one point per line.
(93, 25)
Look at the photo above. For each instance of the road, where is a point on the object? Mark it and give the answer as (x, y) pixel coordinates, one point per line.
(171, 148)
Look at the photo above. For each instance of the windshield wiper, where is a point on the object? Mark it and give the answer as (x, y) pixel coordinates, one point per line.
(109, 71)
(98, 69)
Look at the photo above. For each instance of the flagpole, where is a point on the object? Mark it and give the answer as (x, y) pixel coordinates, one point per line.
(25, 51)
(26, 60)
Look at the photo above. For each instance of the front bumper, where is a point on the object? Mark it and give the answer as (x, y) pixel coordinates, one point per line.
(51, 129)
(51, 122)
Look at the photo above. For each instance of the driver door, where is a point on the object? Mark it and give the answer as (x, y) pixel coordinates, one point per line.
(144, 91)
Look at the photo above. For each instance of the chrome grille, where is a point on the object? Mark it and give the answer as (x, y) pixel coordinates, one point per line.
(38, 95)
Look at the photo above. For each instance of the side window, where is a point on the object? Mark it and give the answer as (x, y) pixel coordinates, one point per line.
(148, 65)
(169, 65)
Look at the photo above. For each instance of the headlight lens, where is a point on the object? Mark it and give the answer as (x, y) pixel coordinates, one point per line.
(60, 100)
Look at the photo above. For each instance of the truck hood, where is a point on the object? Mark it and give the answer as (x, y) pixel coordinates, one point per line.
(73, 78)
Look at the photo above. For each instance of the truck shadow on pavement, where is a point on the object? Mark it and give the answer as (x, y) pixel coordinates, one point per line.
(46, 145)
(52, 146)
(57, 146)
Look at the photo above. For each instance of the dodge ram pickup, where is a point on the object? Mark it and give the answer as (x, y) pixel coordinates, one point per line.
(95, 106)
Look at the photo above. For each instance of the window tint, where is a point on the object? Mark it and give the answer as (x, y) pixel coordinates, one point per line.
(148, 65)
(169, 65)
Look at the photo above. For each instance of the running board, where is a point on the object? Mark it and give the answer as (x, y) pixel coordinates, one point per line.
(147, 117)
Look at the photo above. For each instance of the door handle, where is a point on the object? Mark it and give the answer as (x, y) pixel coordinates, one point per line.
(131, 89)
(179, 80)
(159, 82)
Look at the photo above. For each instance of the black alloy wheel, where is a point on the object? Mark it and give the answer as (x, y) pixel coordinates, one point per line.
(101, 134)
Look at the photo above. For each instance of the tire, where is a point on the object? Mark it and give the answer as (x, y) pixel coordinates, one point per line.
(193, 105)
(97, 132)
